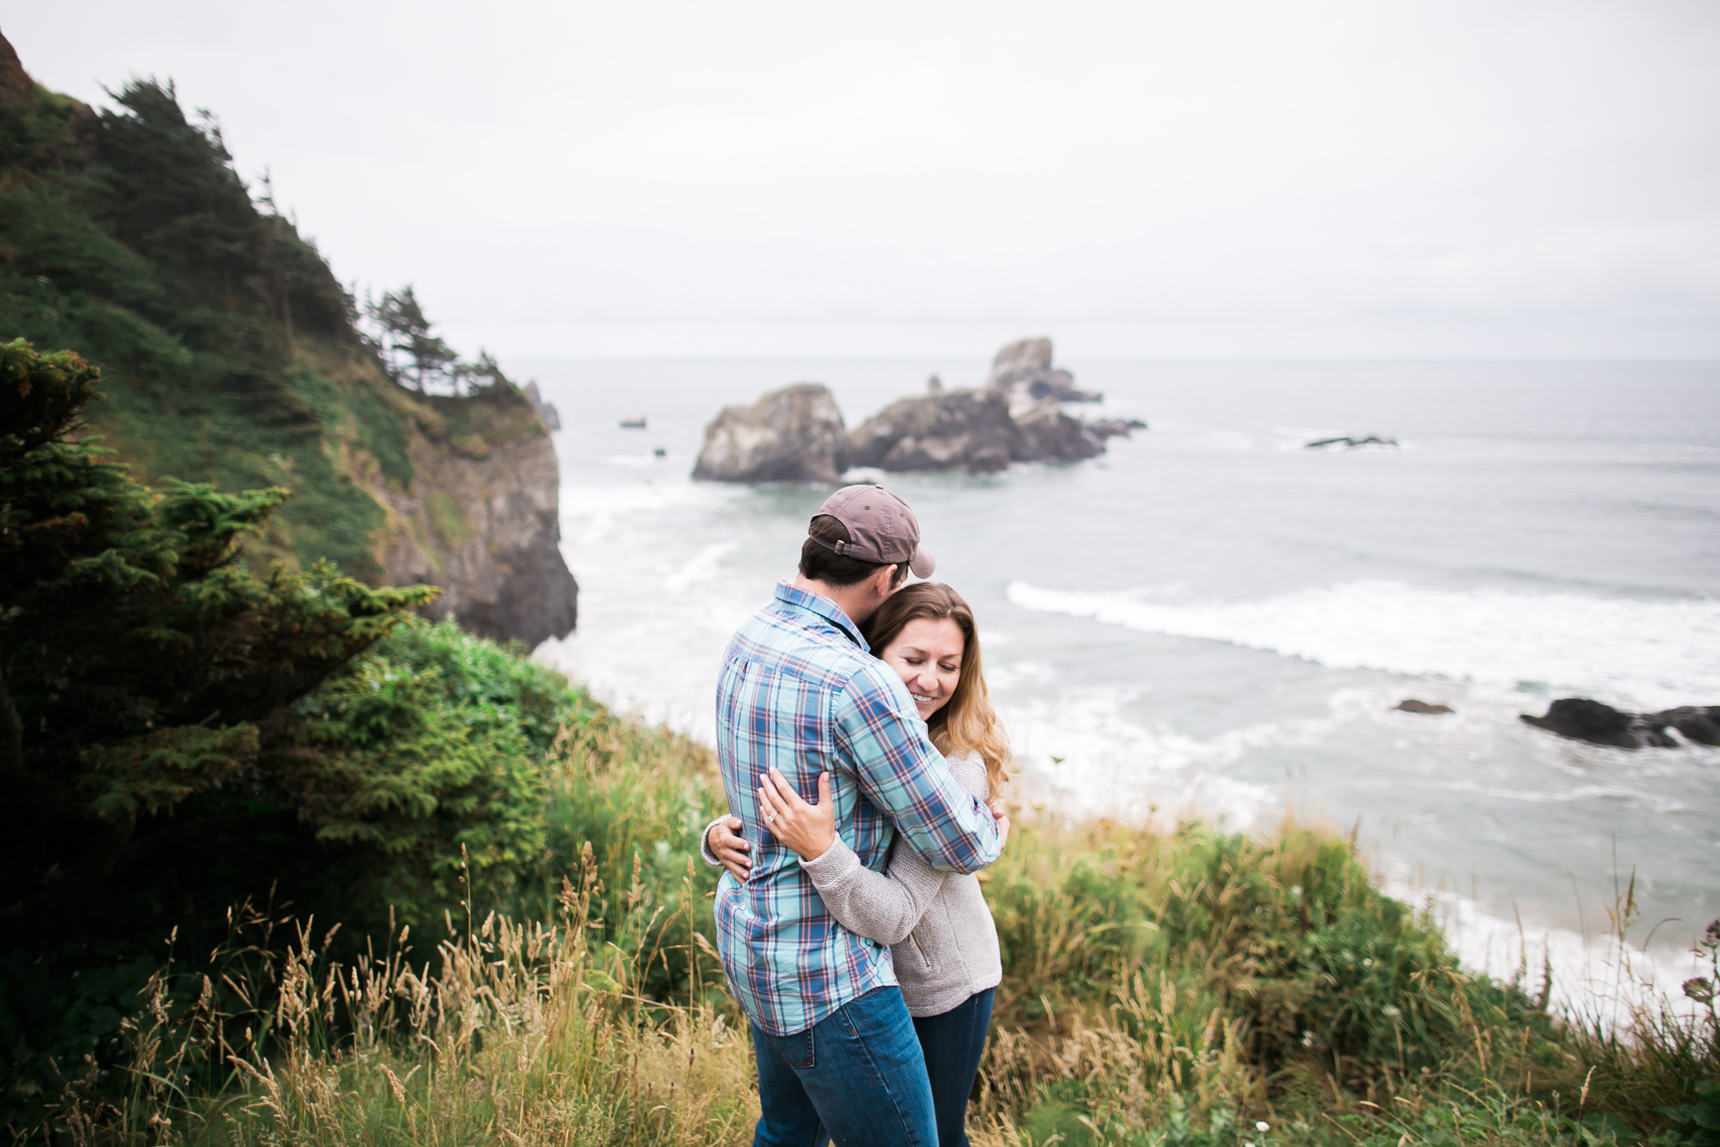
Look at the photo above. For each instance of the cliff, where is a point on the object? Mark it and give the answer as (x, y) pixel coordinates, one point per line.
(231, 354)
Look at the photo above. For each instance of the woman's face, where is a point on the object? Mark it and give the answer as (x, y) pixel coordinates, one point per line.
(928, 655)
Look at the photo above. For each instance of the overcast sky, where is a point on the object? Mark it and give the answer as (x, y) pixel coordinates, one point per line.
(1355, 178)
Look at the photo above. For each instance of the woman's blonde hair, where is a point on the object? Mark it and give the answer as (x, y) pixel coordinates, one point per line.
(966, 723)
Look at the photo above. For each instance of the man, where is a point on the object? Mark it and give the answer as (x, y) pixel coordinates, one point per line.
(801, 694)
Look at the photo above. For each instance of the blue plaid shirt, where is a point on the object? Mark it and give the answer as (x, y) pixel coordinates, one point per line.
(801, 691)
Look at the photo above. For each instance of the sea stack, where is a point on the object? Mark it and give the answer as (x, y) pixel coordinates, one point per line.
(795, 434)
(1023, 371)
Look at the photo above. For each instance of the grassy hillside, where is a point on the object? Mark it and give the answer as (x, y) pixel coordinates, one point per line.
(1191, 988)
(127, 236)
(232, 356)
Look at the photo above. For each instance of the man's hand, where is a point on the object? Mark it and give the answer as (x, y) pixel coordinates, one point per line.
(729, 847)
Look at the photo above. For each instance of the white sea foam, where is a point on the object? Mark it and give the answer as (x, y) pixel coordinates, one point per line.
(1594, 978)
(1080, 753)
(1646, 654)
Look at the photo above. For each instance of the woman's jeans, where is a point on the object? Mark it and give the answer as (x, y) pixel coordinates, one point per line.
(861, 1078)
(953, 1043)
(857, 1075)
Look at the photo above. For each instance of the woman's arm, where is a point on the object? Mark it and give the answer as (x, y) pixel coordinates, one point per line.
(879, 906)
(884, 907)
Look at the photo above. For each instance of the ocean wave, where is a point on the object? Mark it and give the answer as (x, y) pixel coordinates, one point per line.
(1080, 753)
(1632, 653)
(1595, 978)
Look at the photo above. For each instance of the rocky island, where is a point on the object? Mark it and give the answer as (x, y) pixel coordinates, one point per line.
(797, 434)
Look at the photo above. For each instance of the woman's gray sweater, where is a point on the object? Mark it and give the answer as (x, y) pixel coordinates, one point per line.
(939, 929)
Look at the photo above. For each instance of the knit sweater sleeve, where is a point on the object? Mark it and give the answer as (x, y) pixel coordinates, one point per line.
(886, 906)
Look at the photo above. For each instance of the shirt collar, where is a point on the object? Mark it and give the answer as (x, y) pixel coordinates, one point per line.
(823, 607)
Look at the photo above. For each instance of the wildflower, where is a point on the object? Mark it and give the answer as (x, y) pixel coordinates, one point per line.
(1700, 990)
(1263, 1126)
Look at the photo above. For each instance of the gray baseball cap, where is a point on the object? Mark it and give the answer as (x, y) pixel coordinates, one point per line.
(881, 529)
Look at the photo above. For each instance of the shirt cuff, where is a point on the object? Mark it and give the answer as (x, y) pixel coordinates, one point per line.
(705, 842)
(830, 868)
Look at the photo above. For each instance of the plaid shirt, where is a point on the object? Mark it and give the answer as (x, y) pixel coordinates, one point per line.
(800, 691)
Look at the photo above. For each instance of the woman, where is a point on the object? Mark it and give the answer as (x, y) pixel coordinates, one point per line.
(940, 932)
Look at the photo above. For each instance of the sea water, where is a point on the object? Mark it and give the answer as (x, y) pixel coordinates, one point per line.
(1213, 620)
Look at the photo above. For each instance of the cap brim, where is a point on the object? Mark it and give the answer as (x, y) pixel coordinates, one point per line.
(922, 563)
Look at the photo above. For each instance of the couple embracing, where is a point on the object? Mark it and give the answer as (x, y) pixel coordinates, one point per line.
(850, 926)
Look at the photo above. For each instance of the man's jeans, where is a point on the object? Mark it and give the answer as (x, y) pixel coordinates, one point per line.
(953, 1043)
(858, 1076)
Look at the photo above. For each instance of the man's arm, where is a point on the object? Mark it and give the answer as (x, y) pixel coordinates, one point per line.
(885, 742)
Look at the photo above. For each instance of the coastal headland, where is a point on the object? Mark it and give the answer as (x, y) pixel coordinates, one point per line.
(290, 862)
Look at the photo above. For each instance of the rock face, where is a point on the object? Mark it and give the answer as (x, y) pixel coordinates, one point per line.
(1582, 719)
(1698, 723)
(16, 87)
(545, 410)
(1023, 370)
(944, 431)
(1049, 435)
(795, 434)
(971, 430)
(481, 518)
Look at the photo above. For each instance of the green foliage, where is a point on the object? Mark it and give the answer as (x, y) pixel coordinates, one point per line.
(146, 680)
(128, 237)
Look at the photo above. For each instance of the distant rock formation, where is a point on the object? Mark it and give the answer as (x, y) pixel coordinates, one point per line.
(795, 434)
(950, 430)
(1411, 705)
(791, 435)
(1049, 435)
(545, 410)
(1115, 427)
(1582, 719)
(1023, 370)
(1698, 723)
(481, 517)
(1347, 443)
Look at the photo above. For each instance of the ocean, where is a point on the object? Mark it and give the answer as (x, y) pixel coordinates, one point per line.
(1211, 620)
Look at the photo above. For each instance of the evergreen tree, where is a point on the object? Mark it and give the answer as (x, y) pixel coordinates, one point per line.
(144, 673)
(406, 330)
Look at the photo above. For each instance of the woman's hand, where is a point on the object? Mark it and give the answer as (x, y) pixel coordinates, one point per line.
(809, 829)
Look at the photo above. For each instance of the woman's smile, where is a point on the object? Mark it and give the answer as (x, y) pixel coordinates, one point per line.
(927, 654)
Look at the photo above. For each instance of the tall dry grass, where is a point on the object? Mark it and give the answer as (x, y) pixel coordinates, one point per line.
(508, 1033)
(1191, 988)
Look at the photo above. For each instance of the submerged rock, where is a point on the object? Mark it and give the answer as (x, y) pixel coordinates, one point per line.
(1698, 723)
(1023, 370)
(1411, 705)
(1115, 427)
(1347, 443)
(1582, 719)
(795, 434)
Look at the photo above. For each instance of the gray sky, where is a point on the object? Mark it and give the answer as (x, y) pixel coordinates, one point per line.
(1428, 177)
